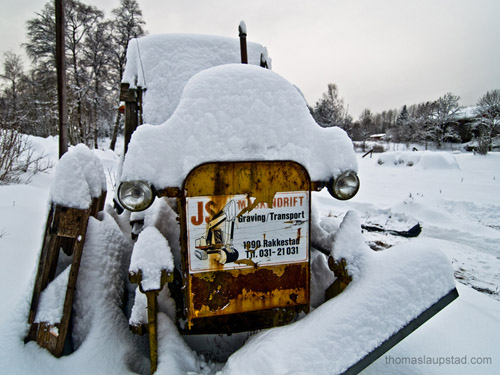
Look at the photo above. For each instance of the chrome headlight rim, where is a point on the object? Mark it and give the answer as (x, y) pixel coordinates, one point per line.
(136, 187)
(337, 186)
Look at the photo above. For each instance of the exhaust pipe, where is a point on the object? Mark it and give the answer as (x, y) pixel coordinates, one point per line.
(242, 28)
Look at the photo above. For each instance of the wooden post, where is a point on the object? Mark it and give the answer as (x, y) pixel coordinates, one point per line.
(61, 78)
(152, 298)
(132, 98)
(152, 301)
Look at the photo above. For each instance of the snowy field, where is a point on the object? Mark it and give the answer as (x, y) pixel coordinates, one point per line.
(455, 198)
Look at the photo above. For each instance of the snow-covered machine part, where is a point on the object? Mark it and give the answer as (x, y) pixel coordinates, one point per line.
(78, 193)
(391, 294)
(236, 113)
(150, 258)
(162, 64)
(79, 179)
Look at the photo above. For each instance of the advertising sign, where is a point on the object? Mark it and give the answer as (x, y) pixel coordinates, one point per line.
(230, 232)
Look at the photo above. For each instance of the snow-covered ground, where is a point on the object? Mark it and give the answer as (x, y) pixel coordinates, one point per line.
(453, 196)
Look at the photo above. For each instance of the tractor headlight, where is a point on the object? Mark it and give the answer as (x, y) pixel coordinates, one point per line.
(344, 186)
(135, 195)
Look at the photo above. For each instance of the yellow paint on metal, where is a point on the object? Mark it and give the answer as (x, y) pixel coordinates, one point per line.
(232, 291)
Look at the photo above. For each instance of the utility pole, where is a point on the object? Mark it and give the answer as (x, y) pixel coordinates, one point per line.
(61, 78)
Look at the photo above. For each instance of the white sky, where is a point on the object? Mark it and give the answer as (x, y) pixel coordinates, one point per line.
(381, 54)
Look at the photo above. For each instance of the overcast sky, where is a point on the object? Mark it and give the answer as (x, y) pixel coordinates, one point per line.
(381, 54)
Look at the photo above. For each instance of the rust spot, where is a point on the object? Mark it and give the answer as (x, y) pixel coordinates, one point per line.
(248, 262)
(228, 287)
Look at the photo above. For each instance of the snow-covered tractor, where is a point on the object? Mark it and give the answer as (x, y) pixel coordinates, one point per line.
(216, 190)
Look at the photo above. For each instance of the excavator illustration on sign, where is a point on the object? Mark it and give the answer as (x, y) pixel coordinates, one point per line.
(219, 236)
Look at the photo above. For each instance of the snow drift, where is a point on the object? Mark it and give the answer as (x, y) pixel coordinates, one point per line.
(420, 159)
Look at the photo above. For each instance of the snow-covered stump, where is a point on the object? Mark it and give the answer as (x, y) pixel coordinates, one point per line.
(151, 267)
(79, 191)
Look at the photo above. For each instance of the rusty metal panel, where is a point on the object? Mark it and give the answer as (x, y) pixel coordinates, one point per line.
(246, 238)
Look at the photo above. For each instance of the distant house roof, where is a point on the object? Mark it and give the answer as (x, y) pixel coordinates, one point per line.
(378, 136)
(162, 64)
(466, 113)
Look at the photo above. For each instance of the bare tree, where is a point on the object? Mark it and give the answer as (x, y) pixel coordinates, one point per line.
(13, 75)
(41, 49)
(98, 60)
(445, 115)
(487, 119)
(80, 20)
(17, 156)
(88, 64)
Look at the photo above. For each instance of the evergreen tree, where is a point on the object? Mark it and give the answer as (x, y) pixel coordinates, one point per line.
(365, 126)
(330, 111)
(403, 130)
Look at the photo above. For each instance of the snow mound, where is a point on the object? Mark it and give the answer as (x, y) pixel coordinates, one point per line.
(150, 257)
(424, 160)
(50, 308)
(389, 289)
(438, 160)
(164, 63)
(100, 328)
(231, 113)
(79, 178)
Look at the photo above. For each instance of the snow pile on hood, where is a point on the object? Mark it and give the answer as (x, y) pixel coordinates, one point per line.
(389, 289)
(236, 112)
(79, 178)
(162, 64)
(422, 159)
